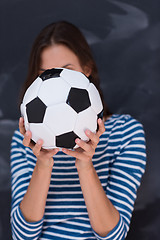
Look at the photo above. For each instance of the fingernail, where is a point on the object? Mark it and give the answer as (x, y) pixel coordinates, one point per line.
(57, 149)
(77, 140)
(39, 142)
(21, 119)
(64, 150)
(100, 120)
(27, 133)
(88, 132)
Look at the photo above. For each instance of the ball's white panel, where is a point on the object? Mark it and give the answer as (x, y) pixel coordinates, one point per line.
(86, 120)
(26, 124)
(54, 91)
(75, 79)
(32, 91)
(24, 115)
(95, 98)
(41, 131)
(76, 146)
(22, 109)
(60, 118)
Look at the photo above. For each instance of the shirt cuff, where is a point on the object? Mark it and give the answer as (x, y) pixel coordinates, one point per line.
(117, 233)
(23, 229)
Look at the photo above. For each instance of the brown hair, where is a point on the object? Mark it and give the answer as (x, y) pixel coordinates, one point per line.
(69, 35)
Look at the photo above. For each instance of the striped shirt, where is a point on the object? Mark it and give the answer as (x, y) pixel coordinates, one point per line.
(119, 161)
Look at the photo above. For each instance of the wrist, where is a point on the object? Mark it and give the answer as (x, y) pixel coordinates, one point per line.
(44, 165)
(82, 166)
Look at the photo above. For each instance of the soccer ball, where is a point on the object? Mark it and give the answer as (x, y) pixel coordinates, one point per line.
(59, 106)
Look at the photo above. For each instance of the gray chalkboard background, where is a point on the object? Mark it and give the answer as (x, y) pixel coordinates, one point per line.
(125, 38)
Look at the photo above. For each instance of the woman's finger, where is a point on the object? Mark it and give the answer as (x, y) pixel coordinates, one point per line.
(21, 126)
(84, 150)
(37, 148)
(101, 129)
(51, 152)
(72, 153)
(85, 146)
(93, 137)
(27, 139)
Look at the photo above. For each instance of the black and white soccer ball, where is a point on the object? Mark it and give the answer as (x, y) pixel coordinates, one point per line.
(59, 106)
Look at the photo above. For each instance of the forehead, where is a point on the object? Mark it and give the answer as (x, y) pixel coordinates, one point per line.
(57, 55)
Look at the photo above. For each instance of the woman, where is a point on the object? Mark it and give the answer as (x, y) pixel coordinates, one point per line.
(88, 193)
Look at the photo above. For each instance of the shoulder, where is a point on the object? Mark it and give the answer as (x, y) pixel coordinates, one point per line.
(124, 126)
(122, 120)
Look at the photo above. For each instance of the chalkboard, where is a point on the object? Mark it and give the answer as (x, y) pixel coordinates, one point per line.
(125, 39)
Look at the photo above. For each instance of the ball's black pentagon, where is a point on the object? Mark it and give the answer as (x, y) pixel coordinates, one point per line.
(66, 140)
(35, 111)
(99, 115)
(51, 73)
(78, 99)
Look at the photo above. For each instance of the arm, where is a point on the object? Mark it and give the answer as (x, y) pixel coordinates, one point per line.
(29, 193)
(102, 214)
(34, 201)
(127, 170)
(105, 208)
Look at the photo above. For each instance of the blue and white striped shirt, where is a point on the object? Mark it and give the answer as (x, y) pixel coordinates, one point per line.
(119, 161)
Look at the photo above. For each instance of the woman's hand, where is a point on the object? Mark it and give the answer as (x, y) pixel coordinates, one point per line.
(44, 156)
(85, 152)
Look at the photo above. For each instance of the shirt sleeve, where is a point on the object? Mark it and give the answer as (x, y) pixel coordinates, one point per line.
(20, 178)
(125, 175)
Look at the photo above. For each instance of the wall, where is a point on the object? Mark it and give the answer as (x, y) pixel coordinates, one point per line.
(125, 38)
